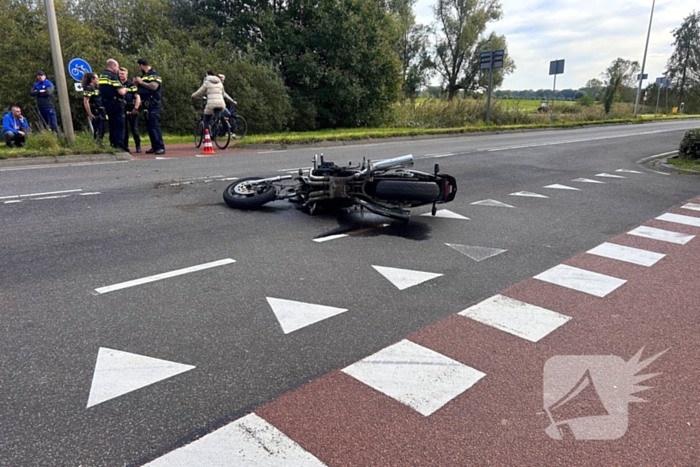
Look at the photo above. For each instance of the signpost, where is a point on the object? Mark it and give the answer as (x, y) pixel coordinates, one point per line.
(61, 86)
(556, 67)
(489, 61)
(661, 83)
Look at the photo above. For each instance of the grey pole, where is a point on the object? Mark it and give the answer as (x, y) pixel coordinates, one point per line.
(644, 60)
(554, 90)
(61, 87)
(488, 99)
(658, 96)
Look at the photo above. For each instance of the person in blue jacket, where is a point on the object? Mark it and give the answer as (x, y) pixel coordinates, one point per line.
(14, 127)
(43, 91)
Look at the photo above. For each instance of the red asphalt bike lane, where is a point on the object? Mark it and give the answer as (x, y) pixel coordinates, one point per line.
(176, 151)
(500, 420)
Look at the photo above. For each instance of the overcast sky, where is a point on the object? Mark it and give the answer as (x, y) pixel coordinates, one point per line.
(588, 35)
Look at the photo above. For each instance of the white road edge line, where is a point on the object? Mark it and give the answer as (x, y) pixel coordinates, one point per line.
(42, 194)
(165, 275)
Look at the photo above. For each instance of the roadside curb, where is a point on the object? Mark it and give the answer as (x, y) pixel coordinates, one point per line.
(70, 159)
(661, 164)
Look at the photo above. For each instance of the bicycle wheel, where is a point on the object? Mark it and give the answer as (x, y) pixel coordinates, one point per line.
(241, 128)
(199, 133)
(221, 130)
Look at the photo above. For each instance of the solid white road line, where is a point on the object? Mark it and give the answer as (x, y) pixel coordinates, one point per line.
(165, 275)
(41, 194)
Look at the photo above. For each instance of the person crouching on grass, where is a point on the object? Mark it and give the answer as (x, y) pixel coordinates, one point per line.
(14, 128)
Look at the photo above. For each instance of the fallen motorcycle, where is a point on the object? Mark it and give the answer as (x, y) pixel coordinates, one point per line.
(384, 187)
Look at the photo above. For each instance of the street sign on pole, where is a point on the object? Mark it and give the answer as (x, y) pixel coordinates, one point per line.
(556, 67)
(488, 61)
(639, 76)
(77, 67)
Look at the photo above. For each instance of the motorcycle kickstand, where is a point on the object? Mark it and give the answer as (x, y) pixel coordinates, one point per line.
(434, 210)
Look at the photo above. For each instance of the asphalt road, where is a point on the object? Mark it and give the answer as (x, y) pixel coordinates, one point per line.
(231, 334)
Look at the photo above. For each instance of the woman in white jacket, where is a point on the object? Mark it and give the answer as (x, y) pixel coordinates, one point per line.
(213, 90)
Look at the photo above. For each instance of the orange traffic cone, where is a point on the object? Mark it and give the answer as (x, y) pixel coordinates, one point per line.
(208, 148)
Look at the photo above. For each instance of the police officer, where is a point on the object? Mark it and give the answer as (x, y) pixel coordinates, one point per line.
(112, 92)
(132, 102)
(150, 88)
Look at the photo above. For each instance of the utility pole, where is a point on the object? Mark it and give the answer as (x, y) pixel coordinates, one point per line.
(61, 87)
(644, 60)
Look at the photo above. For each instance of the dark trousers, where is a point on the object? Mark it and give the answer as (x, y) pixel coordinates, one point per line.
(13, 139)
(132, 124)
(98, 126)
(152, 116)
(115, 120)
(48, 118)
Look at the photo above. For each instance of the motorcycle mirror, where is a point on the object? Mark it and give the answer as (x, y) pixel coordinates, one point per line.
(437, 168)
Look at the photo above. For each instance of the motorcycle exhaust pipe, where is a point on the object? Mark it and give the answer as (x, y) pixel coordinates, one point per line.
(397, 214)
(402, 161)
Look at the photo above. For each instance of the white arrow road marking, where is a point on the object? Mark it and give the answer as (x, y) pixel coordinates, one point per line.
(296, 315)
(477, 253)
(165, 275)
(250, 441)
(515, 317)
(528, 194)
(421, 378)
(492, 202)
(557, 186)
(118, 373)
(447, 214)
(405, 278)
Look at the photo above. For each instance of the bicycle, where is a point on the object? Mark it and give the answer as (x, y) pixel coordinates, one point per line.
(225, 125)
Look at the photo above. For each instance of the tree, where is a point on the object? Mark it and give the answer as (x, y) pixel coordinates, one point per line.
(412, 49)
(627, 71)
(683, 68)
(460, 25)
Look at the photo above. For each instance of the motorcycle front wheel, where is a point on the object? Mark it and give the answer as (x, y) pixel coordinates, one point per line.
(242, 195)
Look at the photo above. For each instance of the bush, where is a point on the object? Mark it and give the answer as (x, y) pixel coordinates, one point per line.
(690, 145)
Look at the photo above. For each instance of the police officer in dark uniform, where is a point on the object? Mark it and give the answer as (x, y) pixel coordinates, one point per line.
(150, 88)
(112, 93)
(132, 103)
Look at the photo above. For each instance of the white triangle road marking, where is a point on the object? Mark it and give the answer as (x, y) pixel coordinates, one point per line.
(609, 175)
(477, 253)
(249, 441)
(557, 186)
(528, 194)
(629, 171)
(118, 373)
(587, 180)
(296, 315)
(447, 214)
(405, 278)
(492, 202)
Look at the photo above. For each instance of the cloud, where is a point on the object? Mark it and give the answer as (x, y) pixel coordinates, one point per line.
(589, 36)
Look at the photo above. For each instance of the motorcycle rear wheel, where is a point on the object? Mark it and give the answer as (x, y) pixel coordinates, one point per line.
(240, 195)
(403, 190)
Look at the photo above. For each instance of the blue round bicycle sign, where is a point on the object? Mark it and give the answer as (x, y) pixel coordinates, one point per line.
(77, 68)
